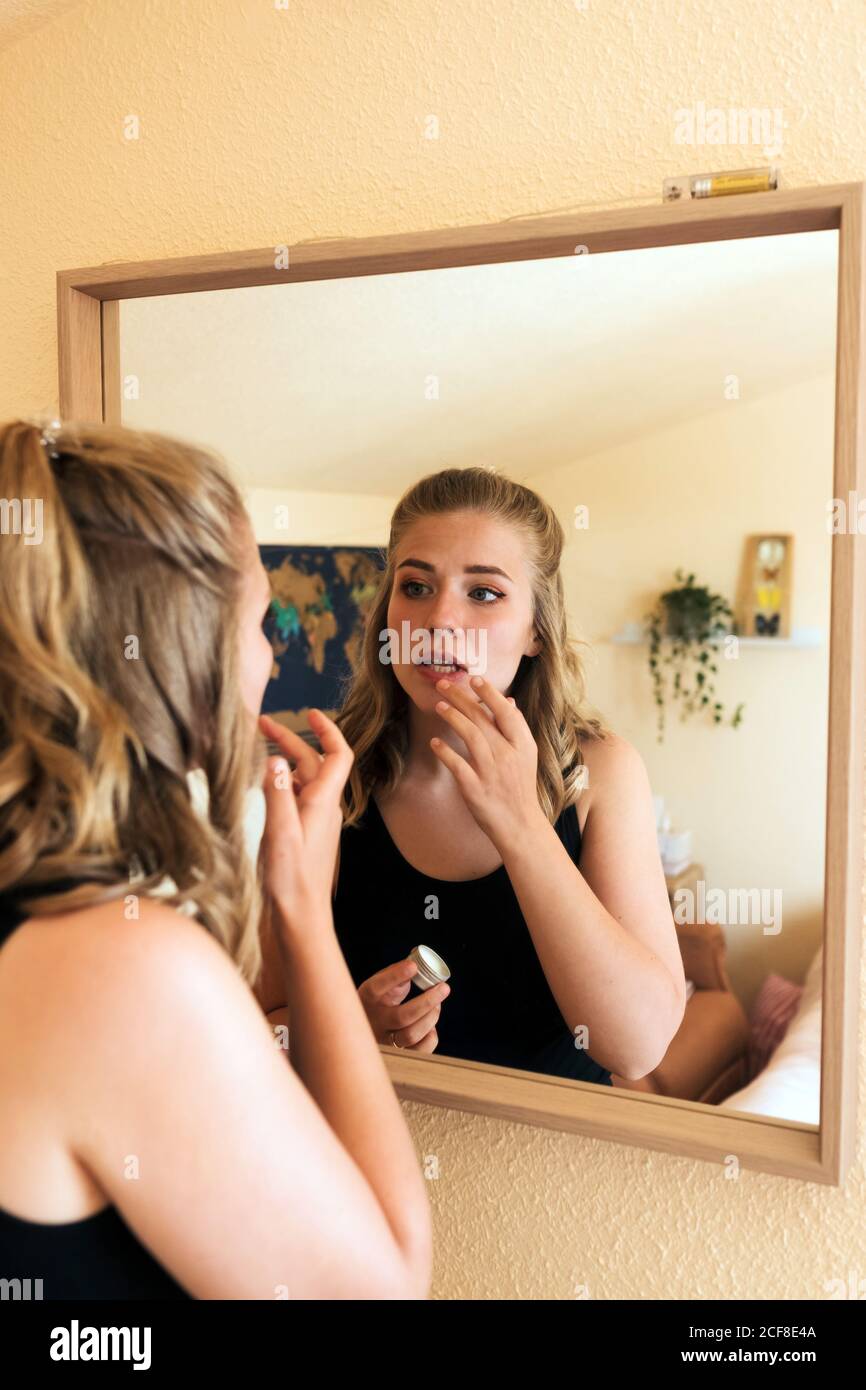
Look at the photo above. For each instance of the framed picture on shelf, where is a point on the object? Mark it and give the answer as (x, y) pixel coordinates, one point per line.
(765, 606)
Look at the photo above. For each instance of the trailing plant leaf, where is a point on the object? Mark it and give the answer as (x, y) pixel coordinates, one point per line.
(694, 620)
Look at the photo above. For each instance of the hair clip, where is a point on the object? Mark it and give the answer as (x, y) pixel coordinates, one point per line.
(48, 438)
(49, 430)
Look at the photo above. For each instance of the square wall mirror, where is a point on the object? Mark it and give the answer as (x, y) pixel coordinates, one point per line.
(652, 425)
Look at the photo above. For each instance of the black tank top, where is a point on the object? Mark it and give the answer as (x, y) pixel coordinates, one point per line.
(501, 1009)
(96, 1257)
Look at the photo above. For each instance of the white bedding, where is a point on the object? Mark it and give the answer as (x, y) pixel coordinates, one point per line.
(789, 1087)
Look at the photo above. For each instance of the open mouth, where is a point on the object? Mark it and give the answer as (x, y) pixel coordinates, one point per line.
(446, 669)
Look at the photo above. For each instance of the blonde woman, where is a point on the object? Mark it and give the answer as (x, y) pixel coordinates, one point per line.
(156, 1142)
(497, 819)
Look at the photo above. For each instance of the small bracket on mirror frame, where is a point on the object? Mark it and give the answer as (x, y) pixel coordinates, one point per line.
(720, 185)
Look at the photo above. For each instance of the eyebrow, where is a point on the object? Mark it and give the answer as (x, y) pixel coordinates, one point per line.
(467, 569)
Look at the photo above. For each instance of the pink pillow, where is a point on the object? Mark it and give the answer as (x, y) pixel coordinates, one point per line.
(775, 1005)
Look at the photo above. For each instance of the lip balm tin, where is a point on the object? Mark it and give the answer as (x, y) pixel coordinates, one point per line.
(432, 969)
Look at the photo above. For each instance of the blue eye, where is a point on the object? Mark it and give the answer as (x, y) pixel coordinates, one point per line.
(486, 589)
(478, 589)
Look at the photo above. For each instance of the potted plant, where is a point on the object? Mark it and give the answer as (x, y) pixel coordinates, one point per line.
(693, 620)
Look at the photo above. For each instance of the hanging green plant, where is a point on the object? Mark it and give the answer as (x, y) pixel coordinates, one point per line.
(693, 620)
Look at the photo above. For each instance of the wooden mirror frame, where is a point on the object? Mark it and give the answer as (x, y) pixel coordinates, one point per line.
(89, 371)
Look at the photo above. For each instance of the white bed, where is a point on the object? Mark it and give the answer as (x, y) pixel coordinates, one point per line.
(789, 1087)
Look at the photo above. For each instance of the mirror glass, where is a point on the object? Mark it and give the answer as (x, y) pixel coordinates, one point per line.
(673, 407)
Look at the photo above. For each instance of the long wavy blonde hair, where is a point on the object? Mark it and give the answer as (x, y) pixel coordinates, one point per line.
(119, 675)
(550, 688)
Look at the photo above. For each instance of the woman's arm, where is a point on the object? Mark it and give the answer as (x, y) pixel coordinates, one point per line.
(290, 985)
(333, 1051)
(270, 987)
(604, 933)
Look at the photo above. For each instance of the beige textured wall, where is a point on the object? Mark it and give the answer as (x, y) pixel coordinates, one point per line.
(261, 126)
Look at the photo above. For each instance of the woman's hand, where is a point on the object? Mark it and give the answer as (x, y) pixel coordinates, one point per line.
(413, 1024)
(498, 781)
(304, 818)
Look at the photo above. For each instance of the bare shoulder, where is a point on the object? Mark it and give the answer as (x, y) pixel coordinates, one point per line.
(98, 1002)
(165, 1086)
(101, 972)
(109, 932)
(613, 767)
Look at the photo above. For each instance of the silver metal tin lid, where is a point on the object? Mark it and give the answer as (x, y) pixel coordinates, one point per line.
(432, 969)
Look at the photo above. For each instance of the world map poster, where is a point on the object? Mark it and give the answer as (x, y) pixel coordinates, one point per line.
(321, 596)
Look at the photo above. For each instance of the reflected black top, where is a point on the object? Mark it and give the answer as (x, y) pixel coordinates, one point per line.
(96, 1257)
(501, 1009)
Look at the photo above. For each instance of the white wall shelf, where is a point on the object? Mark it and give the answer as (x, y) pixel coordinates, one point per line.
(632, 635)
